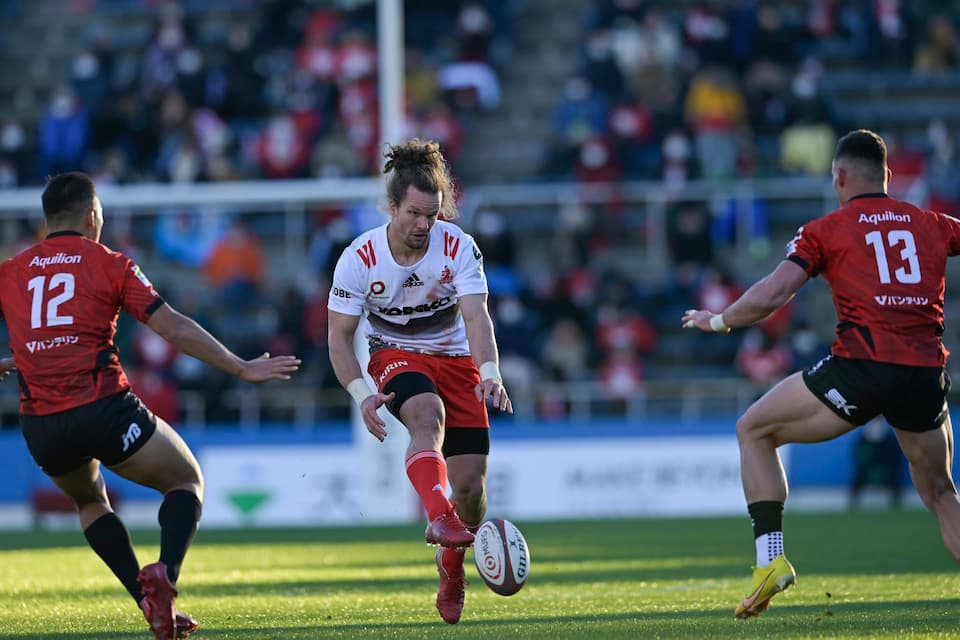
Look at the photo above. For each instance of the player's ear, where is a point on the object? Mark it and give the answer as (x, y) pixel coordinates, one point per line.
(840, 176)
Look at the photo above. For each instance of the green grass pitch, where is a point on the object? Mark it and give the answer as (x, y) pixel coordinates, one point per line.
(862, 575)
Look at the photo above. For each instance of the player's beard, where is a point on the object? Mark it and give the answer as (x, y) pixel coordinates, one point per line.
(417, 244)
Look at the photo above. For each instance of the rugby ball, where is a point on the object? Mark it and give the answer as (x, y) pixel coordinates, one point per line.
(502, 556)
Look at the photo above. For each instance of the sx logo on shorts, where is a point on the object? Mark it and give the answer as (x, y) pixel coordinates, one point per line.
(133, 432)
(837, 399)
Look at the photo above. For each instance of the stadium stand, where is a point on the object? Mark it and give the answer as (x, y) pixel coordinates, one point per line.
(619, 160)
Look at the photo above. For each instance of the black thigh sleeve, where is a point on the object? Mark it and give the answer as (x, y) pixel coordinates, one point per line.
(461, 440)
(405, 386)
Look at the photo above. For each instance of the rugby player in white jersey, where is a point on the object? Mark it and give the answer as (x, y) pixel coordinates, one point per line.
(417, 286)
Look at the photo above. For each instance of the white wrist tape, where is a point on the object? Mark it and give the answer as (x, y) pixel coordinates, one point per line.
(718, 325)
(359, 389)
(490, 371)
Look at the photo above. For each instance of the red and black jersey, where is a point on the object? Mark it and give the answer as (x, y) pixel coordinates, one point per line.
(61, 299)
(885, 262)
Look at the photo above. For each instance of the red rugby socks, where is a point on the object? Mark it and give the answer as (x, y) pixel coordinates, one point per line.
(427, 471)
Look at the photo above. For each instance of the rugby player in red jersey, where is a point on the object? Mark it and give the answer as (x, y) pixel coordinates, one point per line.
(885, 262)
(60, 300)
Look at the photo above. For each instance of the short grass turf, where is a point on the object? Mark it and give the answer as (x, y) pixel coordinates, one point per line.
(861, 575)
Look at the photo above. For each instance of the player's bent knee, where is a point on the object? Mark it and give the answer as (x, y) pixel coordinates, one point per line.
(746, 429)
(92, 497)
(468, 492)
(423, 414)
(189, 479)
(752, 430)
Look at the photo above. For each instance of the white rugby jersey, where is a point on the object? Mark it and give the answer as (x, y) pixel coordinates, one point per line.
(414, 307)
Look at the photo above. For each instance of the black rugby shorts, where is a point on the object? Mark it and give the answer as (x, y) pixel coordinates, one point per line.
(909, 398)
(110, 430)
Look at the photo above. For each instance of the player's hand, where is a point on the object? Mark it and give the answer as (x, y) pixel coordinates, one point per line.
(371, 419)
(493, 388)
(6, 366)
(699, 319)
(269, 368)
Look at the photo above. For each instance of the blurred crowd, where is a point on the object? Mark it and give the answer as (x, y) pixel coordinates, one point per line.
(670, 92)
(719, 91)
(177, 91)
(728, 89)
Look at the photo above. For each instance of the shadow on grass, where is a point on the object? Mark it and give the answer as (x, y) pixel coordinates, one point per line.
(843, 620)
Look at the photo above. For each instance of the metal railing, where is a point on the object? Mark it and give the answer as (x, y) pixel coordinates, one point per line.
(531, 208)
(306, 407)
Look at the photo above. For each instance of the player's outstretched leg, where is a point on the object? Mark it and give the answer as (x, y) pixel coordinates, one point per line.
(767, 582)
(159, 598)
(451, 592)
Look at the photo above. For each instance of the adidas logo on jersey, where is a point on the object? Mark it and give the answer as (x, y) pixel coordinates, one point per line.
(413, 281)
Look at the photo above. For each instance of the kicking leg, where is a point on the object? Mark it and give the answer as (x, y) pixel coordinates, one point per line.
(423, 415)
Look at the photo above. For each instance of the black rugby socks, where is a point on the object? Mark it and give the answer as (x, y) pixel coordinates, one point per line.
(767, 519)
(178, 517)
(110, 540)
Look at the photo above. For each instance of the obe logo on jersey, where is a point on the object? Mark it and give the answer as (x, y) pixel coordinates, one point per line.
(141, 276)
(446, 277)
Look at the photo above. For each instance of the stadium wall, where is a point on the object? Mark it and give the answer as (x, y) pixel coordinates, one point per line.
(554, 470)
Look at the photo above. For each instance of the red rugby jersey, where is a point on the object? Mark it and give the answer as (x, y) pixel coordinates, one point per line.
(61, 299)
(885, 262)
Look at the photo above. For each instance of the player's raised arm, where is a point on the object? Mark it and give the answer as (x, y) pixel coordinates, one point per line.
(759, 301)
(192, 339)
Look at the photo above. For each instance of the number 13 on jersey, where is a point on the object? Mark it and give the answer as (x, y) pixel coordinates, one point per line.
(909, 273)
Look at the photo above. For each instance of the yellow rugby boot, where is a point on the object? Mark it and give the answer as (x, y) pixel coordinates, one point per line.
(767, 582)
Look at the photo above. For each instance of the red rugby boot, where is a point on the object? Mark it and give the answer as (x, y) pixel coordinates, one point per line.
(447, 530)
(159, 596)
(451, 592)
(185, 626)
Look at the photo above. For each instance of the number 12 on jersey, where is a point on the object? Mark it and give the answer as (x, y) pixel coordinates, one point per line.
(36, 285)
(907, 274)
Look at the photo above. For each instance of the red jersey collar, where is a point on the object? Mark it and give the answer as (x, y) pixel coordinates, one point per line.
(56, 234)
(879, 194)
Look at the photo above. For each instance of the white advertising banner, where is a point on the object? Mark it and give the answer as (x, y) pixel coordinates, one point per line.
(528, 479)
(550, 479)
(280, 485)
